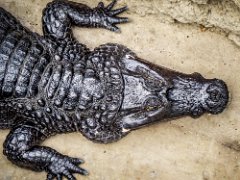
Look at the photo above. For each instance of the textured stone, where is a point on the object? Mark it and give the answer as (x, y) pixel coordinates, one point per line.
(237, 2)
(220, 14)
(235, 38)
(200, 1)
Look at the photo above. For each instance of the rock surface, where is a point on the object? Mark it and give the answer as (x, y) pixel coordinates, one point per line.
(206, 148)
(224, 15)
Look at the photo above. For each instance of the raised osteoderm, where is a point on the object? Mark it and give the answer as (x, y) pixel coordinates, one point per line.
(53, 84)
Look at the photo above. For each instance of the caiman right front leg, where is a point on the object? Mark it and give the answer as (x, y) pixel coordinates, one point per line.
(59, 16)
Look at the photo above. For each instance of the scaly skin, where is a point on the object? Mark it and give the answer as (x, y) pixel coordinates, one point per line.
(54, 84)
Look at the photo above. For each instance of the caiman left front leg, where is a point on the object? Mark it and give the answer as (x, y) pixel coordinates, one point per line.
(22, 148)
(59, 16)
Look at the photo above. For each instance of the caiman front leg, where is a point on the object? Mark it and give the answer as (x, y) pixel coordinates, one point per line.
(22, 148)
(59, 16)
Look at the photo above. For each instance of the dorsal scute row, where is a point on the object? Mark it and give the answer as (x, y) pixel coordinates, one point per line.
(21, 65)
(62, 83)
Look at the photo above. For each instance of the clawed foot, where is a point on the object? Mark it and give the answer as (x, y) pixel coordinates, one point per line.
(64, 166)
(109, 17)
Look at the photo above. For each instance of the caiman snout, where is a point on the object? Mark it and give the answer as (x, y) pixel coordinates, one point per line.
(193, 95)
(217, 97)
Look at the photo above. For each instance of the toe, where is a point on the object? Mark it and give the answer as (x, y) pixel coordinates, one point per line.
(111, 5)
(50, 176)
(77, 161)
(118, 11)
(79, 170)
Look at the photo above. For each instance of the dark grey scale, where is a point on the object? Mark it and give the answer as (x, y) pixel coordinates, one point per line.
(89, 91)
(74, 52)
(45, 118)
(37, 51)
(55, 27)
(71, 101)
(29, 107)
(49, 18)
(36, 75)
(98, 115)
(41, 102)
(47, 121)
(59, 51)
(4, 28)
(50, 123)
(38, 114)
(81, 52)
(77, 117)
(48, 110)
(67, 118)
(20, 106)
(60, 121)
(85, 100)
(6, 19)
(12, 67)
(7, 48)
(45, 77)
(91, 123)
(54, 81)
(58, 116)
(57, 57)
(2, 33)
(89, 73)
(64, 85)
(24, 77)
(50, 45)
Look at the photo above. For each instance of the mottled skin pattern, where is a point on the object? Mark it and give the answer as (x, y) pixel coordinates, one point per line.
(54, 84)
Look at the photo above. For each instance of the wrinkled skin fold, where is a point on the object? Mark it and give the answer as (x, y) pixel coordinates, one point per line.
(53, 84)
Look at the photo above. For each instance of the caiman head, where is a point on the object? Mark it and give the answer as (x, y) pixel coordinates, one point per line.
(154, 93)
(137, 93)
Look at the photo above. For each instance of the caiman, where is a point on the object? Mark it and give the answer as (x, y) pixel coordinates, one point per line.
(53, 84)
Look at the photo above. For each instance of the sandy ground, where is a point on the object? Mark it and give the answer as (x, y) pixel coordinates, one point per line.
(207, 148)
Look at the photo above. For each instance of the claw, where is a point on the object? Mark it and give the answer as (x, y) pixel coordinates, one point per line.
(111, 5)
(112, 28)
(118, 11)
(118, 20)
(50, 176)
(59, 177)
(79, 170)
(77, 161)
(68, 175)
(100, 5)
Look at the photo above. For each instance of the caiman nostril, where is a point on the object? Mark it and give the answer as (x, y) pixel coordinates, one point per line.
(218, 96)
(215, 95)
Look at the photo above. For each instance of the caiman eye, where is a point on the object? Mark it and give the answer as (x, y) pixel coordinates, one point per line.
(152, 103)
(154, 84)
